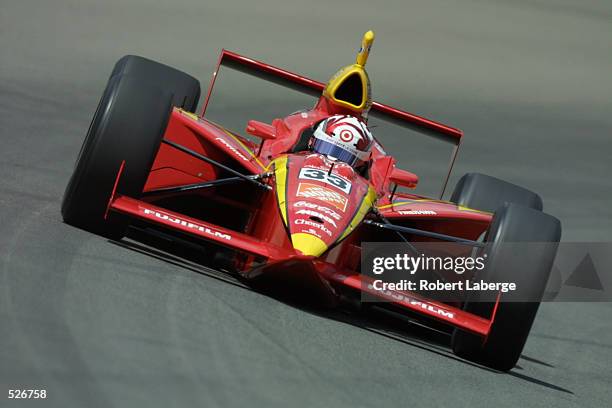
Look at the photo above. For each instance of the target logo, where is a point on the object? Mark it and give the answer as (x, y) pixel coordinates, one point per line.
(346, 135)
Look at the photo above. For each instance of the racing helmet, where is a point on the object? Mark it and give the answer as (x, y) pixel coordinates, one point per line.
(344, 138)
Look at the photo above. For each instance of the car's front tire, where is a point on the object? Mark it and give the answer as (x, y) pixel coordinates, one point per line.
(127, 127)
(521, 247)
(185, 89)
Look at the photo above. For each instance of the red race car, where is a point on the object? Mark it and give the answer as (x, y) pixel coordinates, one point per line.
(294, 201)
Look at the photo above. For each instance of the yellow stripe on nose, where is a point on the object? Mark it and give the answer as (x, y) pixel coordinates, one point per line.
(308, 244)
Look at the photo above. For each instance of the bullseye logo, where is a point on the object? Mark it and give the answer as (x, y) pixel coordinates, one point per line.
(346, 135)
(348, 132)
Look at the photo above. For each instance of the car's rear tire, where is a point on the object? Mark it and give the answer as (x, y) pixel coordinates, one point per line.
(510, 258)
(184, 87)
(486, 193)
(127, 126)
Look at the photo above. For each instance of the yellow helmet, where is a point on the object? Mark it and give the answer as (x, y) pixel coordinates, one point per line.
(350, 86)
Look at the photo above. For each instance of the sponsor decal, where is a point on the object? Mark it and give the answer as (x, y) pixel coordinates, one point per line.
(232, 148)
(314, 224)
(324, 194)
(317, 207)
(418, 212)
(187, 224)
(311, 231)
(407, 299)
(334, 180)
(432, 309)
(317, 214)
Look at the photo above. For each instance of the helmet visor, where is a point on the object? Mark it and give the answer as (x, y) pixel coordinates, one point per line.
(329, 149)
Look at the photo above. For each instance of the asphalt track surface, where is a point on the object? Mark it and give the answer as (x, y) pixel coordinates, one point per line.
(98, 323)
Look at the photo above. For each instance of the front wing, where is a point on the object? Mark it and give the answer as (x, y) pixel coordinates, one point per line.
(279, 255)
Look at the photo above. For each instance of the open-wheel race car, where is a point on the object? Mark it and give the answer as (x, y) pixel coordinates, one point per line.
(294, 200)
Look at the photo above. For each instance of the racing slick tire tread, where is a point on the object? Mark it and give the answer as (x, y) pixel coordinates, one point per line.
(529, 269)
(184, 87)
(128, 125)
(486, 193)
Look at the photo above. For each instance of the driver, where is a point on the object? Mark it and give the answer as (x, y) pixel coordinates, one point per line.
(344, 138)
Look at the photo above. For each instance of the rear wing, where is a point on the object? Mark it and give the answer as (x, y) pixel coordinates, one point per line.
(315, 88)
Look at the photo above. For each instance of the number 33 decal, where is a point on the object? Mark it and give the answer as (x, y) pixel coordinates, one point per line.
(321, 175)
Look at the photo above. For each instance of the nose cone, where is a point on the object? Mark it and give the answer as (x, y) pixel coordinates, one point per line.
(320, 201)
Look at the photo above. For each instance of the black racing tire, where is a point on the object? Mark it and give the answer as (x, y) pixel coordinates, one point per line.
(521, 247)
(486, 193)
(184, 87)
(128, 125)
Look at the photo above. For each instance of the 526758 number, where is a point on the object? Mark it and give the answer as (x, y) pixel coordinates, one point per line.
(27, 394)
